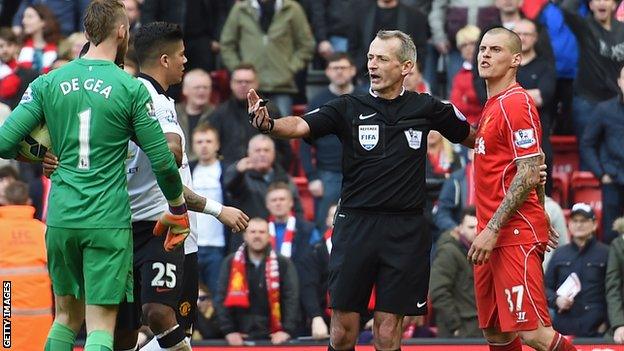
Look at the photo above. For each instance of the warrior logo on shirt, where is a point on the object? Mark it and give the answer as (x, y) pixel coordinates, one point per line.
(413, 138)
(524, 138)
(368, 136)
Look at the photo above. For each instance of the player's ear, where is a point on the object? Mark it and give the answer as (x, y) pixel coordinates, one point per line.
(516, 60)
(407, 67)
(164, 60)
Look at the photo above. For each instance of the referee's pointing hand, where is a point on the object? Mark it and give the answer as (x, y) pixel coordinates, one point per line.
(259, 115)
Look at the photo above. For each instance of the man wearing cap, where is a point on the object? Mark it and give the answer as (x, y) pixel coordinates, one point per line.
(580, 310)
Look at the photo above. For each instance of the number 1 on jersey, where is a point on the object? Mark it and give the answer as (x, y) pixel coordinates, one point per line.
(83, 138)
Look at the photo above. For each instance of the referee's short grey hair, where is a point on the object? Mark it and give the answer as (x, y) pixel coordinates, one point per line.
(408, 49)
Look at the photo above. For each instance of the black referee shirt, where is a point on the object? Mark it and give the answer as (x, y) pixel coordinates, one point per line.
(385, 146)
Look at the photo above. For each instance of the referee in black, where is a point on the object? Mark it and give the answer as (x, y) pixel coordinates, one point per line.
(380, 238)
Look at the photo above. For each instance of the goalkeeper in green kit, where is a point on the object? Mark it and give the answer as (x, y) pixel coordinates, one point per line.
(92, 108)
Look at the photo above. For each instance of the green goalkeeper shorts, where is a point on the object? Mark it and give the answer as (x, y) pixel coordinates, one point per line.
(91, 264)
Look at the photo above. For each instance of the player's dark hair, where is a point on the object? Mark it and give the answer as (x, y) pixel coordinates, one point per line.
(9, 171)
(16, 193)
(7, 35)
(101, 18)
(153, 40)
(337, 56)
(206, 127)
(468, 211)
(245, 66)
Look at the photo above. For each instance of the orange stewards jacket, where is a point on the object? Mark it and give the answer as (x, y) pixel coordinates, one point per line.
(23, 264)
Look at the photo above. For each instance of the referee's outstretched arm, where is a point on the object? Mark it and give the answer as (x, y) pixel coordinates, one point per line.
(285, 127)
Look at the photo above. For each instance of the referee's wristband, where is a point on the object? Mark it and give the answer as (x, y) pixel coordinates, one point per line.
(212, 208)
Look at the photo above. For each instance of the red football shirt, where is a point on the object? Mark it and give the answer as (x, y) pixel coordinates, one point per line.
(509, 130)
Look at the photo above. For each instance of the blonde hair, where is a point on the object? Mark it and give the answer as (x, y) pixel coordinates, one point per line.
(467, 34)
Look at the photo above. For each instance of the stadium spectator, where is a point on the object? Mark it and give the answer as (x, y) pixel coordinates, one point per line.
(207, 173)
(330, 25)
(163, 10)
(615, 285)
(232, 120)
(322, 158)
(313, 278)
(565, 51)
(207, 324)
(451, 286)
(414, 81)
(291, 235)
(441, 156)
(600, 38)
(246, 181)
(70, 14)
(537, 75)
(133, 10)
(70, 47)
(446, 18)
(387, 14)
(558, 222)
(41, 30)
(463, 94)
(9, 80)
(203, 23)
(258, 294)
(23, 263)
(8, 174)
(276, 37)
(196, 89)
(457, 192)
(583, 314)
(601, 150)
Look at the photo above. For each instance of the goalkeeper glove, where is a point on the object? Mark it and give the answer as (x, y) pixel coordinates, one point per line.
(175, 223)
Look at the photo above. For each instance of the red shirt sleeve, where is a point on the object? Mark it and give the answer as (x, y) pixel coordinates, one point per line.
(521, 127)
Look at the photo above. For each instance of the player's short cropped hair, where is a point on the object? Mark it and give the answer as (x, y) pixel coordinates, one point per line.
(8, 35)
(468, 211)
(513, 42)
(206, 127)
(279, 185)
(337, 56)
(245, 66)
(16, 193)
(153, 40)
(101, 18)
(407, 51)
(9, 171)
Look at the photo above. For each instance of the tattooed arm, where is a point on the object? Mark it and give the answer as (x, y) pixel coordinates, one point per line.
(526, 179)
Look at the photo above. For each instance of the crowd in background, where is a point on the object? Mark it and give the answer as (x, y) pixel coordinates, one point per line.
(301, 54)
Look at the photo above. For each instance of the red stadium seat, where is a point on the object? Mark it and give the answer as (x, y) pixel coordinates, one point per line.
(307, 200)
(299, 110)
(220, 86)
(561, 188)
(586, 188)
(565, 154)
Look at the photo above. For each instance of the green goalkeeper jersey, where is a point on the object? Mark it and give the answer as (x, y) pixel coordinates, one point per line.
(92, 108)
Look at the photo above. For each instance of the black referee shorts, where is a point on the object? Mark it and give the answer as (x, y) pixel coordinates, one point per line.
(158, 275)
(388, 251)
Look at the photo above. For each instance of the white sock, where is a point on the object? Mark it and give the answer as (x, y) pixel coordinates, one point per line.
(154, 346)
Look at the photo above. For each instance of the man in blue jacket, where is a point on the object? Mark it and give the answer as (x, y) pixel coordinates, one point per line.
(602, 151)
